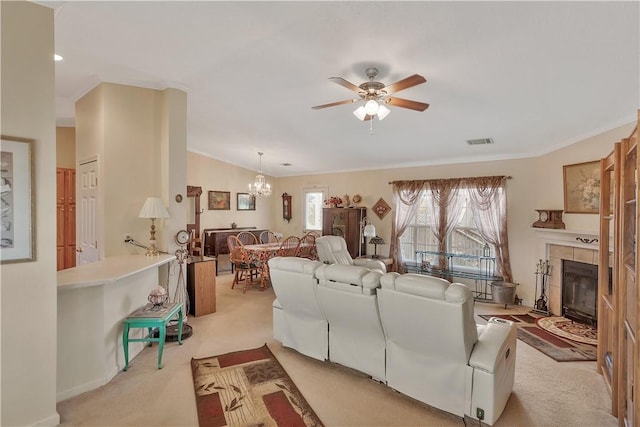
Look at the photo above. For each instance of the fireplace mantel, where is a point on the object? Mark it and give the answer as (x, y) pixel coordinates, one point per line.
(573, 238)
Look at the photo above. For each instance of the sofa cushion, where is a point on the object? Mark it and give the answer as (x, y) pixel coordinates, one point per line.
(417, 284)
(349, 278)
(294, 264)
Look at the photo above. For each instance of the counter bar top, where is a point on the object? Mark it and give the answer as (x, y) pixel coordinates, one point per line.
(108, 270)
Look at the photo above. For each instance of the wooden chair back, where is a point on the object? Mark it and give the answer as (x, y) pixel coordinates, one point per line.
(195, 244)
(236, 249)
(308, 247)
(268, 237)
(289, 246)
(247, 238)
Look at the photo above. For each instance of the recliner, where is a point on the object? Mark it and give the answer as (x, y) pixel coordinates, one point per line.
(333, 250)
(435, 351)
(298, 319)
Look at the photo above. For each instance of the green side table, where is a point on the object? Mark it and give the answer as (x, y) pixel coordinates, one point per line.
(151, 317)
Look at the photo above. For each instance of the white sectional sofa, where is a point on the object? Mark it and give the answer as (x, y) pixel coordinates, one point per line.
(414, 333)
(348, 298)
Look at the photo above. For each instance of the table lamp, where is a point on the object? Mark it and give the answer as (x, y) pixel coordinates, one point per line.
(375, 241)
(153, 208)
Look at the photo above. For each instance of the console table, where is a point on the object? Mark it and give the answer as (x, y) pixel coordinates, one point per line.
(215, 239)
(482, 276)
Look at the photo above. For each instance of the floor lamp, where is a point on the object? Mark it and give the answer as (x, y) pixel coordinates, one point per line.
(366, 230)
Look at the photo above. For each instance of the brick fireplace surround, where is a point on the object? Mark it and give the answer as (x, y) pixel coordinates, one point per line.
(558, 245)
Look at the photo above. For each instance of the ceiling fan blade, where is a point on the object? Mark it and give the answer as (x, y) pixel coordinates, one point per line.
(368, 117)
(410, 81)
(406, 103)
(333, 104)
(348, 85)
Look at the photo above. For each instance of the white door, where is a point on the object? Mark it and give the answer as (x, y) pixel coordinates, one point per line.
(87, 208)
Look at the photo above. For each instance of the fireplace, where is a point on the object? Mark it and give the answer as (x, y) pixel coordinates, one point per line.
(580, 291)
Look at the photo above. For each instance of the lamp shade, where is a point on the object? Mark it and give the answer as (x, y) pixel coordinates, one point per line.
(369, 230)
(153, 208)
(383, 112)
(360, 113)
(377, 240)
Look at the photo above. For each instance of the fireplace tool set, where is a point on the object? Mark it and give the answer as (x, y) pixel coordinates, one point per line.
(542, 278)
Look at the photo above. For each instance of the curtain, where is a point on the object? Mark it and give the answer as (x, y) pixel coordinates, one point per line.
(445, 206)
(405, 200)
(488, 199)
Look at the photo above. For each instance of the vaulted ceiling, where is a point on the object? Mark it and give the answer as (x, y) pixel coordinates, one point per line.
(533, 76)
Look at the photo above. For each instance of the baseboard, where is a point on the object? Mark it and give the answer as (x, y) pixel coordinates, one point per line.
(50, 421)
(91, 385)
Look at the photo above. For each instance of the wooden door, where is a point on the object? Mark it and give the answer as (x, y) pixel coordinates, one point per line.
(66, 218)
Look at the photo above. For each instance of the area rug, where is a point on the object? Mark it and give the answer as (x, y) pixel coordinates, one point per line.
(558, 348)
(569, 329)
(248, 388)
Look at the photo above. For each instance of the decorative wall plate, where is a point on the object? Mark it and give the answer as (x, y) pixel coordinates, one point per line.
(381, 208)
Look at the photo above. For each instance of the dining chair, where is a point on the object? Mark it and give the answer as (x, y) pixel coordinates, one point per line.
(245, 270)
(307, 247)
(247, 238)
(268, 237)
(289, 246)
(195, 244)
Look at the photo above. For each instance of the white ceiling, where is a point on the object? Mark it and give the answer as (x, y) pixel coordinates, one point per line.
(534, 76)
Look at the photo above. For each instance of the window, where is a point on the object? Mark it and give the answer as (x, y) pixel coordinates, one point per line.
(463, 239)
(313, 200)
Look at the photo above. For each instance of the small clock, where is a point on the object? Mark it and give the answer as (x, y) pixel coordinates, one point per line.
(182, 237)
(549, 218)
(286, 206)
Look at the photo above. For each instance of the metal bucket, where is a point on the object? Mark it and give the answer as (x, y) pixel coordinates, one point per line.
(503, 293)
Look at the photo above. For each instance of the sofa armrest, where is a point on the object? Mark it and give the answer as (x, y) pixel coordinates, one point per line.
(373, 264)
(496, 343)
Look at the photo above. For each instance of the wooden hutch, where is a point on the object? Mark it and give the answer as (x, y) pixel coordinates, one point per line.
(618, 299)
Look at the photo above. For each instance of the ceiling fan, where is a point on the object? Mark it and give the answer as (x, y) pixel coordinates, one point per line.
(376, 95)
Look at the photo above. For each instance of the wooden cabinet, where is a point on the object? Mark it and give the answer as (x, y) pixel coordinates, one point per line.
(619, 301)
(66, 217)
(345, 222)
(201, 285)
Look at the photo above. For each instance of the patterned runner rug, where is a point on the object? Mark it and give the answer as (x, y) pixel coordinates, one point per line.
(559, 348)
(248, 388)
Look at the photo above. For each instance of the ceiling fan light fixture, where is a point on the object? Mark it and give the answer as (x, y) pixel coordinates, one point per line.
(383, 112)
(360, 113)
(371, 107)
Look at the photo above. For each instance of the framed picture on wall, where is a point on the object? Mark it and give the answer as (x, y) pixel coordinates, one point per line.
(246, 202)
(17, 230)
(219, 200)
(582, 187)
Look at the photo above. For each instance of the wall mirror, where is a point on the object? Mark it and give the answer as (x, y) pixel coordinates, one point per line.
(193, 209)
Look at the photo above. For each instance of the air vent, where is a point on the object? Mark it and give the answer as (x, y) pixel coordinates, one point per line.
(480, 141)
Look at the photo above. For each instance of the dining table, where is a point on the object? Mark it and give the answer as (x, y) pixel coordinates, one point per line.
(260, 254)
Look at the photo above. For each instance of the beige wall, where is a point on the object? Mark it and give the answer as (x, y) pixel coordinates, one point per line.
(214, 175)
(549, 179)
(66, 147)
(139, 138)
(28, 293)
(536, 183)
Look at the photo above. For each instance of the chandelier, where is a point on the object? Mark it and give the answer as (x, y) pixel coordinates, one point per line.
(260, 186)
